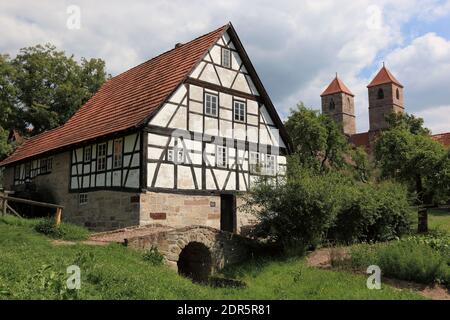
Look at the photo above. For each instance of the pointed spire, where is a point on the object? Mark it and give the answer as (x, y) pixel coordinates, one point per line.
(336, 86)
(384, 76)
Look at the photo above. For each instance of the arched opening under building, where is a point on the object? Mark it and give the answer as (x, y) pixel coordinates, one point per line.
(195, 262)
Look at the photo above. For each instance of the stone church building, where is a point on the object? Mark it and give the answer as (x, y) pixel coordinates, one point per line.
(386, 96)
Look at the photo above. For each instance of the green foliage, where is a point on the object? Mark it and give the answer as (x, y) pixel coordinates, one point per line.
(153, 256)
(412, 156)
(116, 272)
(308, 208)
(363, 168)
(408, 259)
(42, 87)
(65, 231)
(408, 122)
(298, 212)
(317, 139)
(437, 240)
(372, 212)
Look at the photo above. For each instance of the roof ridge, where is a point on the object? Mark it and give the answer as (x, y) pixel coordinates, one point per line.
(336, 86)
(383, 76)
(125, 101)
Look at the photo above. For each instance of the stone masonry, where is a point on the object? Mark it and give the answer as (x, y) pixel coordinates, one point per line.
(225, 248)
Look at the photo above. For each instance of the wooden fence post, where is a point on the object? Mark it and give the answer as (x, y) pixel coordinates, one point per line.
(5, 204)
(58, 216)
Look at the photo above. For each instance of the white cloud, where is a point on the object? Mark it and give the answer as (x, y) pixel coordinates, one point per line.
(437, 118)
(296, 46)
(424, 69)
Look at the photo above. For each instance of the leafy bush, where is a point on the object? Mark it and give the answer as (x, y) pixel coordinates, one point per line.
(297, 213)
(153, 256)
(372, 213)
(409, 261)
(405, 260)
(310, 207)
(64, 231)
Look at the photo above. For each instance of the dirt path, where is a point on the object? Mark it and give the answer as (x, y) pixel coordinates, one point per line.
(322, 259)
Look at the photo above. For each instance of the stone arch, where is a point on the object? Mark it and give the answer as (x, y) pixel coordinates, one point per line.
(195, 261)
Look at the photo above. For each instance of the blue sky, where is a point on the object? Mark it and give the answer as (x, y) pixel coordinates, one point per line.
(295, 45)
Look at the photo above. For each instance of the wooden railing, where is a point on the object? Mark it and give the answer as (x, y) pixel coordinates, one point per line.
(5, 198)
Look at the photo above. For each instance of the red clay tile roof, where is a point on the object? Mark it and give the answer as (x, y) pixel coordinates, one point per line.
(384, 76)
(125, 101)
(336, 86)
(360, 140)
(443, 138)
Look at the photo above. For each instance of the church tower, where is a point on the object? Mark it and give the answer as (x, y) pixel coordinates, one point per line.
(385, 97)
(338, 102)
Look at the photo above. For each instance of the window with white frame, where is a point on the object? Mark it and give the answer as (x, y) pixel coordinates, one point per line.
(83, 198)
(239, 111)
(254, 162)
(271, 164)
(87, 154)
(221, 157)
(226, 58)
(101, 157)
(117, 153)
(211, 102)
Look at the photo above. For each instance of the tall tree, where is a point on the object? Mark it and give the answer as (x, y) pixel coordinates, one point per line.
(7, 102)
(317, 139)
(408, 153)
(51, 86)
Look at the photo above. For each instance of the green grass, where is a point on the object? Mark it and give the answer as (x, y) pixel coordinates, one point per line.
(439, 220)
(31, 267)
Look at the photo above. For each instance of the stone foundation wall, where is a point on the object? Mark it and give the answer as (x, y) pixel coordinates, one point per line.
(105, 210)
(180, 210)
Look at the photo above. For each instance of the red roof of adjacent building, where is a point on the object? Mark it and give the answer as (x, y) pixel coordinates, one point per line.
(443, 138)
(337, 86)
(384, 76)
(125, 101)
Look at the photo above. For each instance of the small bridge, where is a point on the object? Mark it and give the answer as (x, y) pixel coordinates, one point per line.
(194, 251)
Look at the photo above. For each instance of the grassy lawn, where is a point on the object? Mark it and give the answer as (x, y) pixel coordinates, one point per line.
(439, 219)
(31, 267)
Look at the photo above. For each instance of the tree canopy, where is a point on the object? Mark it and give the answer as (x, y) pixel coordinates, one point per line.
(407, 153)
(317, 139)
(42, 87)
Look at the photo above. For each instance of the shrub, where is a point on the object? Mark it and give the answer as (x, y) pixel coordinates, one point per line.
(412, 261)
(64, 231)
(310, 207)
(372, 213)
(297, 213)
(153, 256)
(405, 260)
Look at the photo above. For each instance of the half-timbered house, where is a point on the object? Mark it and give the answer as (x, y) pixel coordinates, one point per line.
(174, 140)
